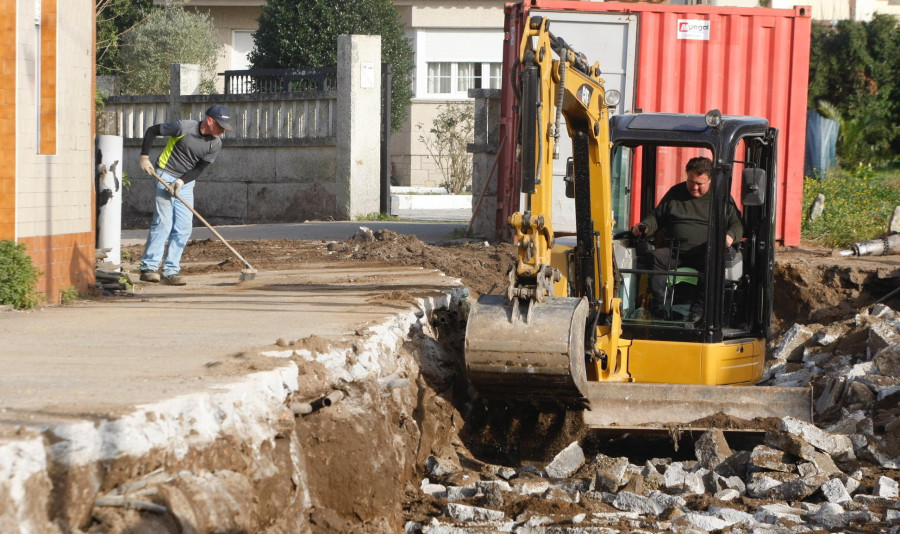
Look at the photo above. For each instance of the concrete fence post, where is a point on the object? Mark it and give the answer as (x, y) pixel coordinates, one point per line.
(484, 152)
(358, 123)
(184, 79)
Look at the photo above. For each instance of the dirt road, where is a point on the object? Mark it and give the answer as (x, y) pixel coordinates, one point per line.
(811, 284)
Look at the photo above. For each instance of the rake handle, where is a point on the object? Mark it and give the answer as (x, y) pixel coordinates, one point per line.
(211, 229)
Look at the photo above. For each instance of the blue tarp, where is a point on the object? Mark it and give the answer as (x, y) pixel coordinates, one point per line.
(821, 141)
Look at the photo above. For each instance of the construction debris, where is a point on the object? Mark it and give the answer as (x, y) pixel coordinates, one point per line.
(876, 247)
(841, 473)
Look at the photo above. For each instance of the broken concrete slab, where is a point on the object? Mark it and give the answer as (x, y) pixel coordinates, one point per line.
(795, 490)
(630, 502)
(566, 462)
(439, 467)
(834, 491)
(837, 446)
(772, 513)
(798, 447)
(848, 423)
(888, 361)
(727, 494)
(886, 487)
(832, 516)
(712, 449)
(465, 512)
(610, 472)
(731, 516)
(790, 348)
(798, 378)
(881, 336)
(704, 522)
(765, 458)
(760, 485)
(831, 394)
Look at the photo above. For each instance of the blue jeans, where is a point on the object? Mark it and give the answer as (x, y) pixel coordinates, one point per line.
(172, 222)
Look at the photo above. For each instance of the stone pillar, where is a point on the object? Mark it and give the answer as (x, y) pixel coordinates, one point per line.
(184, 79)
(358, 123)
(484, 152)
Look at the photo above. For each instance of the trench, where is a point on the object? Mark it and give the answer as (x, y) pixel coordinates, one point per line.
(358, 464)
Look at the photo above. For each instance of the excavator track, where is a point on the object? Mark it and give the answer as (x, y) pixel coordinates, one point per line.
(525, 350)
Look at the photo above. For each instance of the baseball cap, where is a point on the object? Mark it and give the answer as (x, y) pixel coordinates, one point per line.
(221, 115)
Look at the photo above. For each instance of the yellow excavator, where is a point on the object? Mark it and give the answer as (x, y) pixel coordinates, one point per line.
(575, 325)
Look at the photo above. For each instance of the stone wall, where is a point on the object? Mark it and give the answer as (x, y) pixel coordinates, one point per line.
(290, 158)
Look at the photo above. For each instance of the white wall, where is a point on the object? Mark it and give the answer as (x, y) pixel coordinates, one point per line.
(54, 192)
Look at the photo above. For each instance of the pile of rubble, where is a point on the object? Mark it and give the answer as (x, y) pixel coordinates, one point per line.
(854, 368)
(841, 473)
(790, 483)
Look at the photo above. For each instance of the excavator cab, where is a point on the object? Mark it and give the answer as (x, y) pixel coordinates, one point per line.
(729, 287)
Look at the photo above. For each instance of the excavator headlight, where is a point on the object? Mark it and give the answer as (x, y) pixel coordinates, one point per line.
(612, 98)
(713, 118)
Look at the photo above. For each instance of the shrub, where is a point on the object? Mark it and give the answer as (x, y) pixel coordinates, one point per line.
(18, 277)
(69, 296)
(452, 130)
(173, 35)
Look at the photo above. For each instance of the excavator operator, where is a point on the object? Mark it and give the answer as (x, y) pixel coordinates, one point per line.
(683, 216)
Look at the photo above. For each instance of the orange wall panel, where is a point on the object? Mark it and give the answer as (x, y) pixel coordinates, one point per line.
(48, 77)
(8, 121)
(65, 260)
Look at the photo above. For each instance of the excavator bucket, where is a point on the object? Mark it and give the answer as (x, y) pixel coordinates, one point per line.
(632, 406)
(528, 351)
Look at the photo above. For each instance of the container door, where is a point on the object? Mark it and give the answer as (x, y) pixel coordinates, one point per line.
(609, 38)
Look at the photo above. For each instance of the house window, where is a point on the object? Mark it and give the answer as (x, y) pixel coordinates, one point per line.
(241, 46)
(450, 61)
(446, 78)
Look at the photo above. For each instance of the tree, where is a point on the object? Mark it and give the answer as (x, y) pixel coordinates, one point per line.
(855, 70)
(173, 35)
(303, 33)
(451, 132)
(115, 18)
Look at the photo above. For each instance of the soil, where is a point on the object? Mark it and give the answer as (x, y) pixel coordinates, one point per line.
(811, 286)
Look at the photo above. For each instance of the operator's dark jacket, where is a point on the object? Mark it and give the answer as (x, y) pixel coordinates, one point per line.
(681, 215)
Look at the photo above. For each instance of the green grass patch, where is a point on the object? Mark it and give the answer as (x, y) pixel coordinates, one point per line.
(858, 206)
(377, 216)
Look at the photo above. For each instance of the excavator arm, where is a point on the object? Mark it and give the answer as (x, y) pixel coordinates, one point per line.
(557, 82)
(532, 343)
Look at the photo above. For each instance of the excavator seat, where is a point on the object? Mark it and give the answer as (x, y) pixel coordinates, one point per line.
(681, 291)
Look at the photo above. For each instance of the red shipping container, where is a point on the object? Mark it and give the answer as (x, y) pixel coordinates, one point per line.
(743, 61)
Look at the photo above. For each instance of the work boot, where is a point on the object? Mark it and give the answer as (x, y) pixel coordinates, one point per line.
(173, 280)
(147, 276)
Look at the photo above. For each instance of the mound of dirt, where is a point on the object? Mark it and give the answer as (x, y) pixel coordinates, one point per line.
(811, 285)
